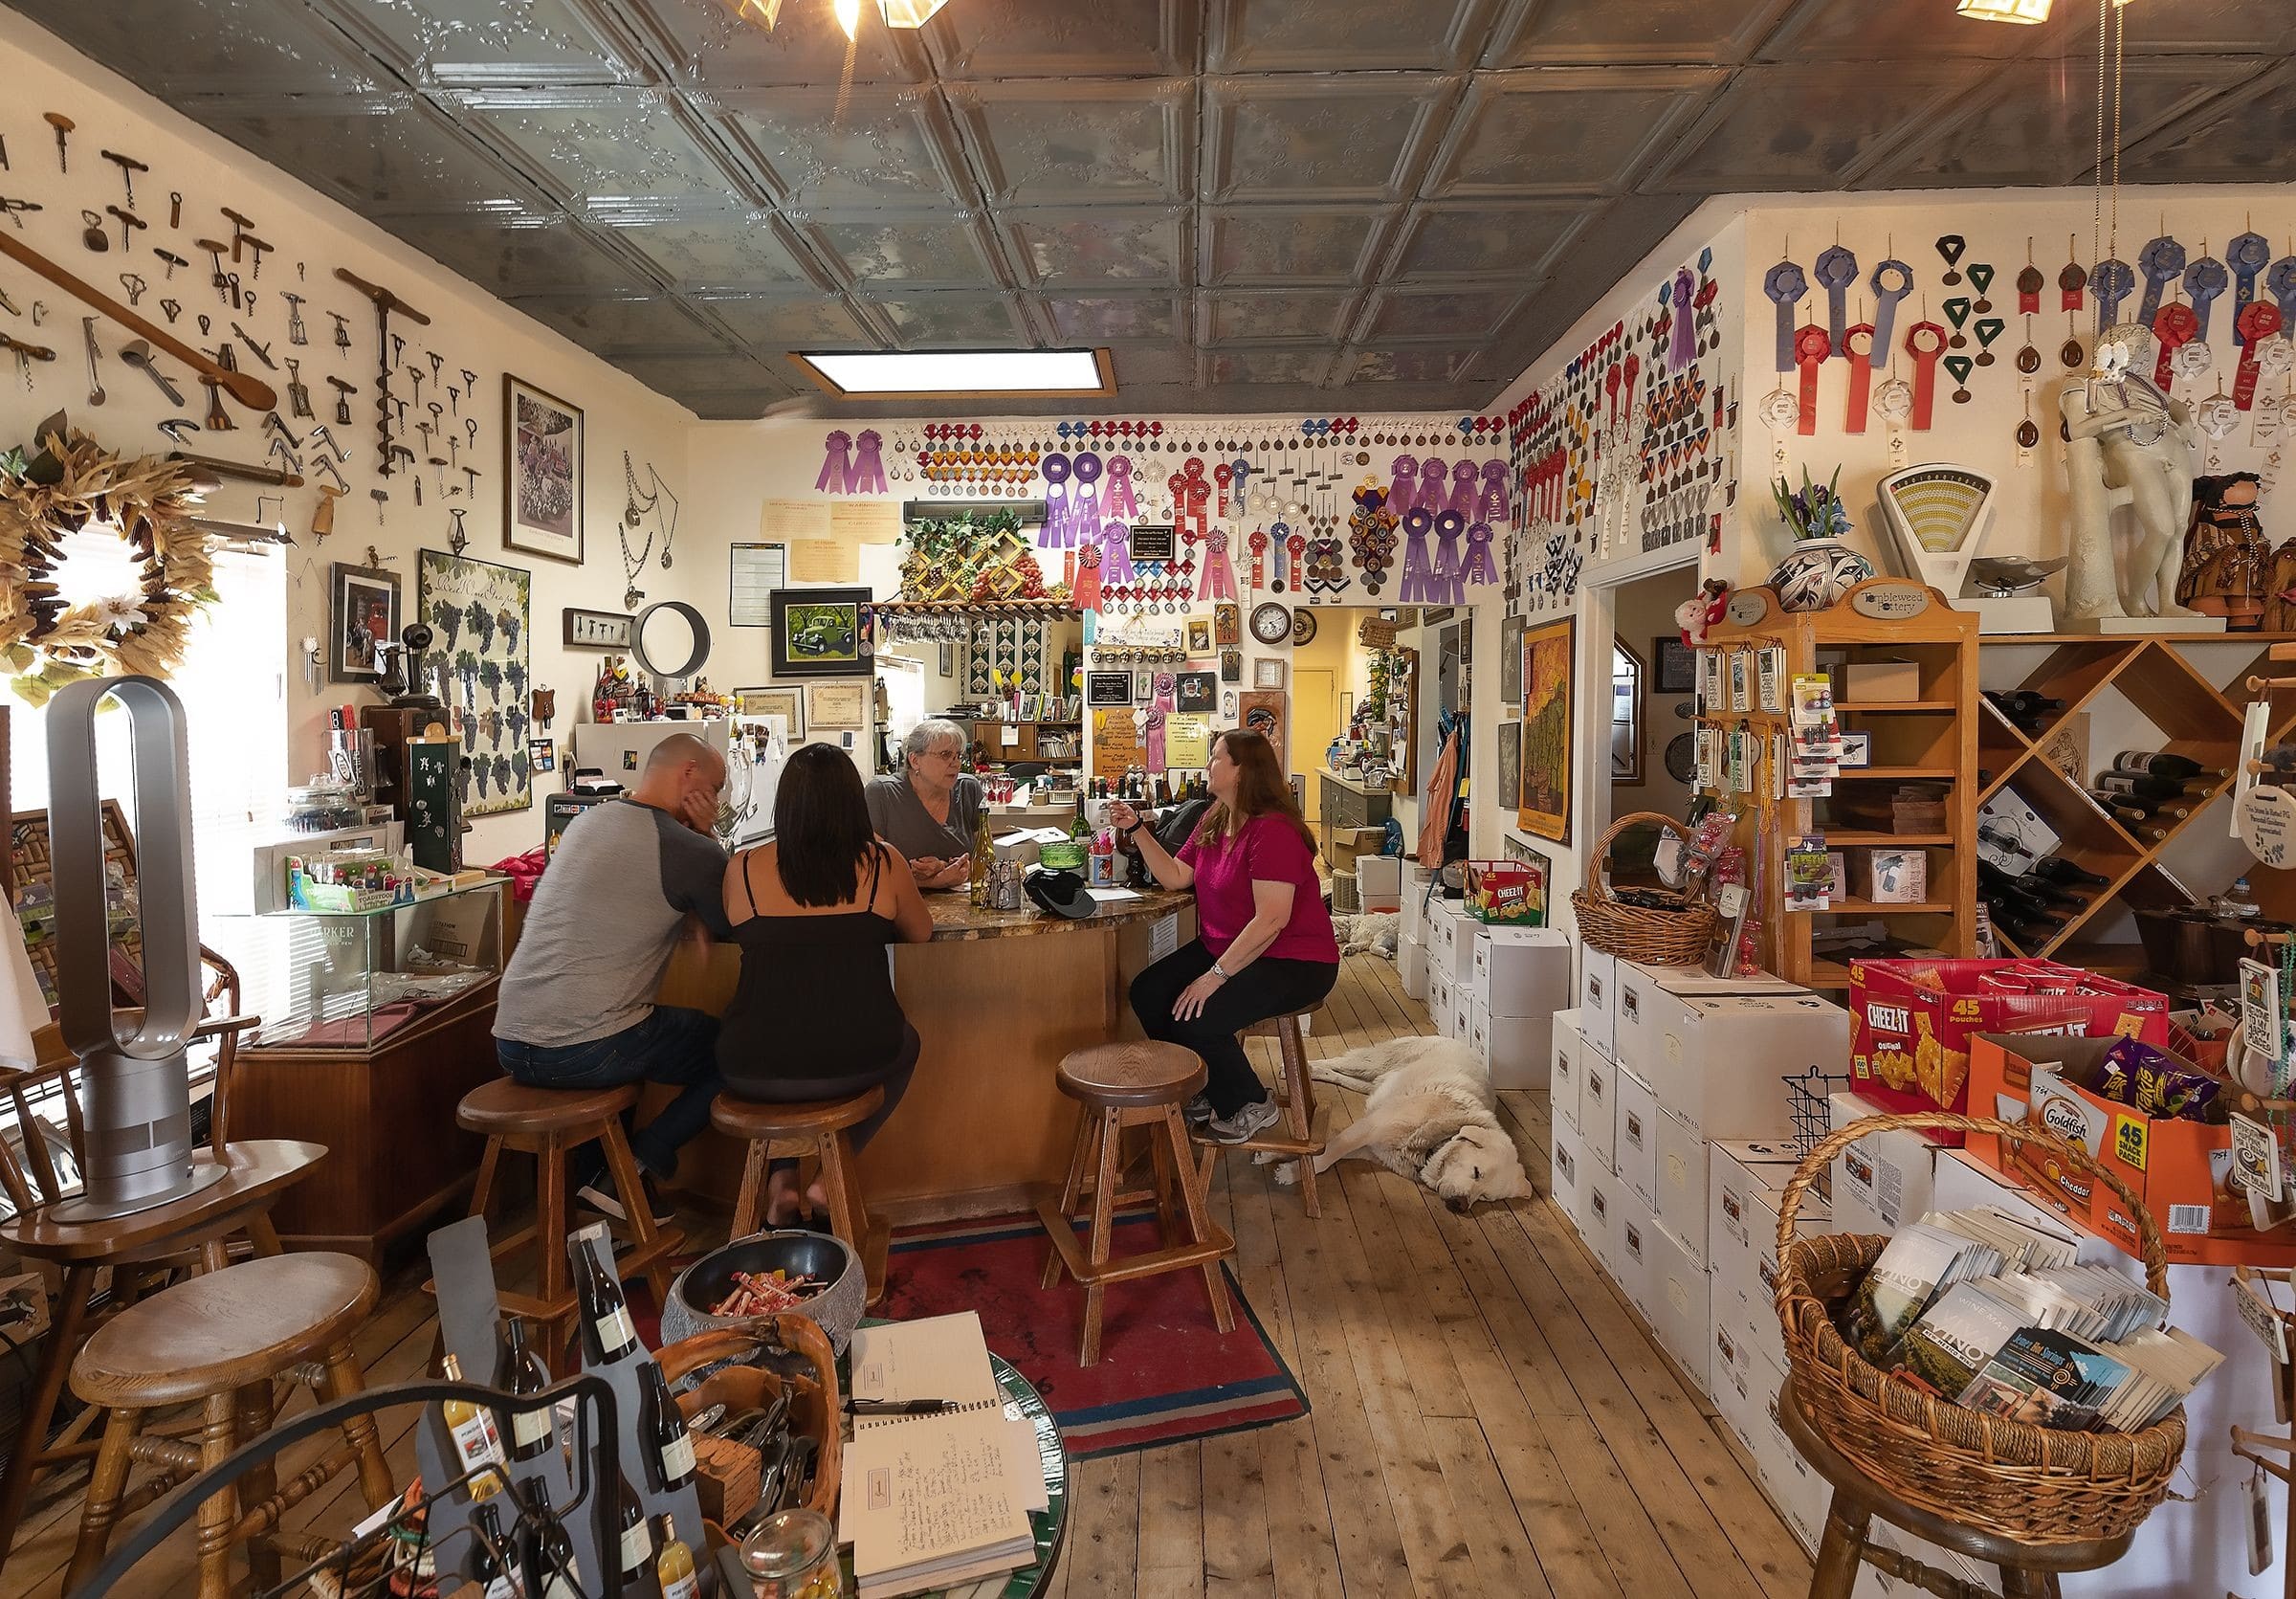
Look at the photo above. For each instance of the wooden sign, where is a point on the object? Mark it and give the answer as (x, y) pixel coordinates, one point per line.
(1373, 633)
(1116, 747)
(1746, 607)
(1887, 601)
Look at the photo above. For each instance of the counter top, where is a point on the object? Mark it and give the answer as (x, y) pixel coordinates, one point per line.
(957, 920)
(1356, 784)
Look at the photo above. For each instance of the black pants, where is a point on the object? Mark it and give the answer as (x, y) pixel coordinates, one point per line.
(894, 1078)
(1266, 987)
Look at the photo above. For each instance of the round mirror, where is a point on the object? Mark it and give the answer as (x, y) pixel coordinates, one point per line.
(671, 639)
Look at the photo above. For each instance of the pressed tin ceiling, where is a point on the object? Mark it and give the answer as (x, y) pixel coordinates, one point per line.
(1257, 205)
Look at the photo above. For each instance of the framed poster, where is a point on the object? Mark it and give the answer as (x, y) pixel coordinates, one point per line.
(754, 571)
(1674, 665)
(1511, 661)
(1510, 765)
(1108, 688)
(1199, 691)
(787, 703)
(542, 473)
(837, 705)
(480, 611)
(1546, 750)
(595, 629)
(363, 616)
(1262, 711)
(821, 632)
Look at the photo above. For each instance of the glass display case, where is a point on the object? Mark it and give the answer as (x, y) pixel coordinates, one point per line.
(356, 977)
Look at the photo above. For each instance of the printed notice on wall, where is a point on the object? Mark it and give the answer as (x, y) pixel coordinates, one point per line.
(866, 522)
(824, 561)
(785, 521)
(759, 569)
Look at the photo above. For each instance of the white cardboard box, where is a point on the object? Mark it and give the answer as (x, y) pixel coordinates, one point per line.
(1462, 1007)
(1746, 1285)
(1883, 1181)
(1567, 1174)
(1597, 984)
(1379, 876)
(1411, 962)
(1522, 971)
(1721, 1061)
(1635, 1251)
(1679, 1166)
(1638, 989)
(1680, 1307)
(1563, 1077)
(1599, 1225)
(1439, 999)
(1519, 1051)
(1739, 1175)
(1599, 1109)
(1635, 1154)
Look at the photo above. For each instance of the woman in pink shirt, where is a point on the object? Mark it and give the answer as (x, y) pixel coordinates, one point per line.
(1265, 944)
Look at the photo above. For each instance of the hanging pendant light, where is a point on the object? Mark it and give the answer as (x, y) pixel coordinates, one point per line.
(849, 16)
(2004, 11)
(909, 14)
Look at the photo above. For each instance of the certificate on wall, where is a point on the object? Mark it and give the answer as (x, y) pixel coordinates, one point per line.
(758, 570)
(1116, 743)
(1187, 742)
(837, 704)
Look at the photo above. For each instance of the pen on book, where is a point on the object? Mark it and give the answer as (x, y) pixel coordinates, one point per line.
(898, 1406)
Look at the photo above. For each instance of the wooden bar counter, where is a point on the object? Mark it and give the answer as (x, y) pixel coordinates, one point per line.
(996, 997)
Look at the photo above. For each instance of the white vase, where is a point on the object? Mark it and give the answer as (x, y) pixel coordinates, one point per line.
(1817, 572)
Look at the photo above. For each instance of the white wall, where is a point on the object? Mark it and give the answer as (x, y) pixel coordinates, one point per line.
(469, 327)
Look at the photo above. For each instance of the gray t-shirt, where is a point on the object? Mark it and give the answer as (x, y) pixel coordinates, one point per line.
(602, 922)
(902, 820)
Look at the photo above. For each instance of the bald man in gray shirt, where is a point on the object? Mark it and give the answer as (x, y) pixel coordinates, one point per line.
(577, 1007)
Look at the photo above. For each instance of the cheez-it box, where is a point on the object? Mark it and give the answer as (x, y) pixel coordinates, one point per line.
(1911, 1021)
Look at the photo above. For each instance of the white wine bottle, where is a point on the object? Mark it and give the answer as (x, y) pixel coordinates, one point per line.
(476, 1443)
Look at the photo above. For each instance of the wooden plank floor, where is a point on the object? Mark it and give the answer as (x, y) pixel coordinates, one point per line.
(1489, 1415)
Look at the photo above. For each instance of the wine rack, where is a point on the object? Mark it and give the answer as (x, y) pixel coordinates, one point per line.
(1927, 739)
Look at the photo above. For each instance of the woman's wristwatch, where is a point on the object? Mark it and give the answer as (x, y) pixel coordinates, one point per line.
(1135, 827)
(1223, 974)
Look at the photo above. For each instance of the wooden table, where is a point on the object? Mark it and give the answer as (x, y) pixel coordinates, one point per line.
(998, 997)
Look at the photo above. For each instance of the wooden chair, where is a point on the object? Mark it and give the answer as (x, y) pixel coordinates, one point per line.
(822, 1128)
(1122, 1086)
(195, 1234)
(2028, 1572)
(218, 1340)
(549, 1123)
(1296, 1092)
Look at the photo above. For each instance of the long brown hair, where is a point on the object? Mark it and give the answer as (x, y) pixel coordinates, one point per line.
(1262, 790)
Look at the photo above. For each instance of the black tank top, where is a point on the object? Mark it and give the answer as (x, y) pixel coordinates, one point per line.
(815, 998)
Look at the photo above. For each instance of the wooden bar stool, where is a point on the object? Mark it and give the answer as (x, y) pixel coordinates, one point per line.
(2028, 1570)
(1121, 1086)
(821, 1128)
(1295, 1091)
(549, 1123)
(217, 1341)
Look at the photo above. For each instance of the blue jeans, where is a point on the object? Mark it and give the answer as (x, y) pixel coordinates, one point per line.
(672, 1045)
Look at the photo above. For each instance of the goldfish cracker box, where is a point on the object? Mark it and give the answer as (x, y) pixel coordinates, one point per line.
(2180, 1170)
(1911, 1021)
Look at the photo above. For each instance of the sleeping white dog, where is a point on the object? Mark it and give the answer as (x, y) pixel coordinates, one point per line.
(1431, 1116)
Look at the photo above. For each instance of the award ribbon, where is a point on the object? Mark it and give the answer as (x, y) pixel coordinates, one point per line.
(1295, 546)
(1085, 593)
(2162, 263)
(1980, 278)
(2282, 283)
(867, 474)
(1925, 343)
(1224, 474)
(1120, 499)
(1858, 341)
(1219, 582)
(1432, 472)
(1886, 298)
(1115, 554)
(2246, 255)
(1444, 580)
(2113, 283)
(2258, 321)
(1811, 347)
(1466, 478)
(1956, 312)
(2174, 326)
(1479, 566)
(1785, 285)
(1084, 514)
(1959, 367)
(836, 463)
(2029, 284)
(1054, 533)
(1418, 564)
(1280, 536)
(1837, 269)
(1987, 329)
(1492, 506)
(1405, 484)
(2069, 283)
(2204, 281)
(1684, 348)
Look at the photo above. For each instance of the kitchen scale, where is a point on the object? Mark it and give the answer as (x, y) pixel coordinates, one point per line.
(1936, 517)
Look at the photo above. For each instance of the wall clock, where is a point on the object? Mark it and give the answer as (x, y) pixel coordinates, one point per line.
(1303, 624)
(1270, 623)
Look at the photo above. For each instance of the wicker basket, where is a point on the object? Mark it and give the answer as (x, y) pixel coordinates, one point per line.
(1658, 938)
(1979, 1471)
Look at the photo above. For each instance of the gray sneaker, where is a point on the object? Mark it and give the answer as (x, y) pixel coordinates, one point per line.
(1247, 1125)
(1198, 1111)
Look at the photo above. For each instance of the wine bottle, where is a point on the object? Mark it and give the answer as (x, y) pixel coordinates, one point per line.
(607, 1333)
(2058, 869)
(637, 1538)
(493, 1575)
(523, 1374)
(477, 1446)
(2142, 785)
(674, 1568)
(670, 1451)
(2118, 807)
(984, 856)
(2161, 763)
(2022, 702)
(1080, 826)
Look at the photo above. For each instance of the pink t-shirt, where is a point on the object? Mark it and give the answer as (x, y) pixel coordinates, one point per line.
(1265, 851)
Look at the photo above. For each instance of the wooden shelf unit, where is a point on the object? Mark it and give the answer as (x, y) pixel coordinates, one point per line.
(2198, 719)
(1931, 738)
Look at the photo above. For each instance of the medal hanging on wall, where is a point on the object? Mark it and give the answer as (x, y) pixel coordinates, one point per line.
(1953, 247)
(2113, 282)
(2069, 354)
(2029, 284)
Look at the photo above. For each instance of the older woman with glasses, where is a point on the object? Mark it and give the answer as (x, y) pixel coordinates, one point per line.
(929, 811)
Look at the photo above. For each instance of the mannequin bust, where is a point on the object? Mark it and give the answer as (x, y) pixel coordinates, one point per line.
(2128, 443)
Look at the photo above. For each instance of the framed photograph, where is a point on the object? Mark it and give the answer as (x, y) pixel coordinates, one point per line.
(1199, 691)
(787, 703)
(839, 704)
(821, 632)
(1200, 637)
(1108, 689)
(542, 473)
(362, 617)
(947, 663)
(1143, 686)
(595, 629)
(1231, 666)
(1549, 688)
(1510, 765)
(1674, 665)
(1267, 671)
(1511, 661)
(481, 612)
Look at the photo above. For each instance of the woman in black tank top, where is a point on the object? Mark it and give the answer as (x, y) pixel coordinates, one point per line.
(814, 1016)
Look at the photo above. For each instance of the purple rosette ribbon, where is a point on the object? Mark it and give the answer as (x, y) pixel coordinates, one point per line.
(1480, 566)
(836, 463)
(1405, 485)
(1120, 499)
(1418, 565)
(1115, 554)
(867, 474)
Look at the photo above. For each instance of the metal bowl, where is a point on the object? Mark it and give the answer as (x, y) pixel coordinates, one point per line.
(836, 1308)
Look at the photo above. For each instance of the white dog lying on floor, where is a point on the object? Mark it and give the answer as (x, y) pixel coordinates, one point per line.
(1375, 931)
(1431, 1116)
